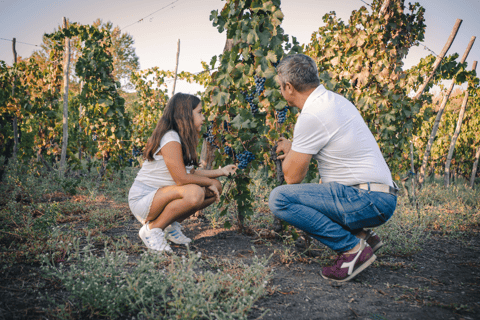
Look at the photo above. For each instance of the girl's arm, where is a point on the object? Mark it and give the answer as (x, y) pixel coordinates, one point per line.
(220, 172)
(173, 157)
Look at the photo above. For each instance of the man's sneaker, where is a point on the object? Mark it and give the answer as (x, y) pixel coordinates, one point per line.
(373, 240)
(347, 266)
(154, 239)
(174, 233)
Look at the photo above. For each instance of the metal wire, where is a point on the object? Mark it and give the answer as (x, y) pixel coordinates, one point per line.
(20, 42)
(150, 14)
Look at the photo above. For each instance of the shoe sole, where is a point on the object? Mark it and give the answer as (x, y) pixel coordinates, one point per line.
(357, 271)
(377, 247)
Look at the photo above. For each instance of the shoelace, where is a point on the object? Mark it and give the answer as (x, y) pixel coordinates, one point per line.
(370, 234)
(158, 241)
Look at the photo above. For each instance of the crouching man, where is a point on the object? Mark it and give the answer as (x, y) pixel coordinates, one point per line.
(357, 190)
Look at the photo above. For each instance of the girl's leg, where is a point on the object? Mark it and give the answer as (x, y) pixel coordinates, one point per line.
(175, 203)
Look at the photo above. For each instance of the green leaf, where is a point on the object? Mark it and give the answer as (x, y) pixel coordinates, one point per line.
(271, 56)
(220, 98)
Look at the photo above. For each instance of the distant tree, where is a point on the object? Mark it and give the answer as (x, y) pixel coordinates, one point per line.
(125, 60)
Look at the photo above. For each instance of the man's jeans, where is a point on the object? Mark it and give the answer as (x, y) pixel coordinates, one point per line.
(331, 212)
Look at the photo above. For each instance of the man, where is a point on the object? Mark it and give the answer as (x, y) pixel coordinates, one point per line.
(357, 190)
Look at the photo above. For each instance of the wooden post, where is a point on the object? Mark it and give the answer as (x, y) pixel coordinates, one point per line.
(414, 200)
(66, 65)
(433, 134)
(457, 132)
(440, 57)
(384, 8)
(176, 67)
(15, 120)
(80, 112)
(474, 169)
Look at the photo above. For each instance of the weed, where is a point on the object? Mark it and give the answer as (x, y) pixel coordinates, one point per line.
(158, 286)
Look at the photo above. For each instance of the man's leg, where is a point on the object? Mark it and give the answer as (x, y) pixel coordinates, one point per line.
(315, 209)
(333, 214)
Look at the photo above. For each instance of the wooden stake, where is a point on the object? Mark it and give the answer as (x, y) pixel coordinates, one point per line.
(15, 120)
(414, 200)
(474, 169)
(80, 112)
(66, 65)
(440, 57)
(176, 67)
(433, 134)
(457, 132)
(384, 7)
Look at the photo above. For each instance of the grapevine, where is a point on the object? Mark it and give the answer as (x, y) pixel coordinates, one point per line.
(243, 91)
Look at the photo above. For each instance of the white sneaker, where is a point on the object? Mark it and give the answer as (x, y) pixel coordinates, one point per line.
(154, 239)
(174, 233)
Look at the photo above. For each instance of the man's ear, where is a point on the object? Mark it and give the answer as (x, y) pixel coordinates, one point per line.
(289, 88)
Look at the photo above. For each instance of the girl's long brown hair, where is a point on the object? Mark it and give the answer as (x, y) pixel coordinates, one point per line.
(177, 116)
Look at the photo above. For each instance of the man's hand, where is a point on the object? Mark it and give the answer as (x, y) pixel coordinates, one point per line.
(283, 145)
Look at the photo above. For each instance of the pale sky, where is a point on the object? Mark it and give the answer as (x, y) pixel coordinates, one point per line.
(188, 20)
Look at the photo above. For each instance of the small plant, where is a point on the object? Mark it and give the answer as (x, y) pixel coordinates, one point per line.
(159, 286)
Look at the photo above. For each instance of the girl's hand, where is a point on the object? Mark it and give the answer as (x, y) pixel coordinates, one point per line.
(212, 188)
(229, 169)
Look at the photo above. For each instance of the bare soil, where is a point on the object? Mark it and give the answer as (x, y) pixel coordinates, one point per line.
(442, 281)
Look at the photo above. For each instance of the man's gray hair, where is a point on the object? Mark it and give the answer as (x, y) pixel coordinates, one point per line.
(300, 70)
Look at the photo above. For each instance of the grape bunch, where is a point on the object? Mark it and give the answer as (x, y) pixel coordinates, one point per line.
(274, 64)
(249, 98)
(228, 151)
(259, 85)
(135, 151)
(94, 137)
(226, 125)
(209, 136)
(245, 158)
(282, 115)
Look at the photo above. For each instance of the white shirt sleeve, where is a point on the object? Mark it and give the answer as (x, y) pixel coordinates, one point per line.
(169, 136)
(310, 135)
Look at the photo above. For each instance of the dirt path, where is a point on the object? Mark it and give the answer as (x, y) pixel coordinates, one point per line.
(440, 282)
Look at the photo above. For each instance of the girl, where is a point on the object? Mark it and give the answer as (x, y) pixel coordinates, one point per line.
(167, 189)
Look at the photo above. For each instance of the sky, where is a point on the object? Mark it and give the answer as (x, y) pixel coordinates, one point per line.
(167, 21)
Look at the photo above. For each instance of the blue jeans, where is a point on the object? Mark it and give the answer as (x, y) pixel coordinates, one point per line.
(331, 212)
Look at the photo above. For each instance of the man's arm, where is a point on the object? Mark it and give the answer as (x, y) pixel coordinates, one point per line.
(295, 164)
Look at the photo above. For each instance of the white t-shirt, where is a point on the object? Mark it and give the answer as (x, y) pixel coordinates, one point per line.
(155, 173)
(332, 130)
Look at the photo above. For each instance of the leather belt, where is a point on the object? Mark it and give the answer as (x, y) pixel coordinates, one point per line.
(378, 187)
